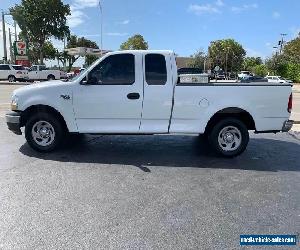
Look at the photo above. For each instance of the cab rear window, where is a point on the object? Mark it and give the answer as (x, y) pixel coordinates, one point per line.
(156, 69)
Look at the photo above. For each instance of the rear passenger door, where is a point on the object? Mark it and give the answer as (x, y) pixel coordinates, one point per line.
(33, 73)
(158, 93)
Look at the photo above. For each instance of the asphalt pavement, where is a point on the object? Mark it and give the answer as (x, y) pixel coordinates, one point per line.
(145, 192)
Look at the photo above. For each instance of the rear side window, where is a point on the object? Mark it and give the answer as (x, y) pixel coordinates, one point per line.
(156, 69)
(4, 67)
(17, 67)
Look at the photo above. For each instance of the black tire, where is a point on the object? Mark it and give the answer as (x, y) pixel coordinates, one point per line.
(51, 77)
(11, 78)
(243, 133)
(58, 128)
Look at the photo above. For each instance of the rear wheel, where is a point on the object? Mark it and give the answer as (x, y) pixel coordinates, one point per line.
(11, 78)
(229, 137)
(44, 132)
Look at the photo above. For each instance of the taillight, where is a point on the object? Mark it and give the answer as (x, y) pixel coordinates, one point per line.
(290, 104)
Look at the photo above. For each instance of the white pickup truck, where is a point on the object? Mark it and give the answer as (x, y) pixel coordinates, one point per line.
(42, 73)
(138, 92)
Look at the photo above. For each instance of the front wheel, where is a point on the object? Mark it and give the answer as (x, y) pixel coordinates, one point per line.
(11, 78)
(44, 132)
(229, 137)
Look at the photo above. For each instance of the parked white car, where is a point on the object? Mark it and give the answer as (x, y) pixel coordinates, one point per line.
(138, 92)
(244, 75)
(13, 73)
(42, 73)
(277, 79)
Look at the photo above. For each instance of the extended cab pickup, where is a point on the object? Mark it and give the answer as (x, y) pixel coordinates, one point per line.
(138, 92)
(41, 73)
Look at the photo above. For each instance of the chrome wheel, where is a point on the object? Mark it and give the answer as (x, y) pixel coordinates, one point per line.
(230, 138)
(11, 79)
(43, 133)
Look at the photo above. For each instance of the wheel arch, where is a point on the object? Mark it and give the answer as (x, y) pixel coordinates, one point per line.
(232, 112)
(42, 108)
(51, 76)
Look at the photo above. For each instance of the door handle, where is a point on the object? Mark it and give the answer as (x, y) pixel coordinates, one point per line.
(133, 96)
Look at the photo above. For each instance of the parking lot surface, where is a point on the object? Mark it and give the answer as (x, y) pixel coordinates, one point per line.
(145, 192)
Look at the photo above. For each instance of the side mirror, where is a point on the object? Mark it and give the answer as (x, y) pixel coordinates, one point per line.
(89, 80)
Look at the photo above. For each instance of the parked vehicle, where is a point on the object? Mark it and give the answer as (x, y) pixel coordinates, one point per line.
(185, 71)
(220, 77)
(13, 73)
(276, 79)
(244, 75)
(137, 92)
(254, 79)
(41, 73)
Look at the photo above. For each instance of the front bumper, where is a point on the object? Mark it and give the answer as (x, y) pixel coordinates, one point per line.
(13, 120)
(287, 125)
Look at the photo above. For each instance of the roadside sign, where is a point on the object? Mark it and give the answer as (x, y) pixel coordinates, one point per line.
(21, 53)
(20, 48)
(23, 58)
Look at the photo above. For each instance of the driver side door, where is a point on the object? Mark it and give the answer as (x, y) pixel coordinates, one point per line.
(111, 100)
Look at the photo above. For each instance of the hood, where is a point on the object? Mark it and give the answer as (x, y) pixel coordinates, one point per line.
(39, 86)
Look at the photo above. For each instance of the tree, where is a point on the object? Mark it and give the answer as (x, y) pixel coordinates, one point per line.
(135, 42)
(251, 62)
(198, 60)
(41, 20)
(49, 52)
(291, 51)
(226, 53)
(260, 70)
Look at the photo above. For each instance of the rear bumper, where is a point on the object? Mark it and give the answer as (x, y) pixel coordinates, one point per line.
(287, 125)
(13, 120)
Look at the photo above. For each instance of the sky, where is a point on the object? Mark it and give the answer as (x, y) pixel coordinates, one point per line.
(184, 26)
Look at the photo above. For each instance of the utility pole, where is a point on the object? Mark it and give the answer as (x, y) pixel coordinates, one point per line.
(10, 47)
(101, 27)
(4, 39)
(226, 59)
(16, 35)
(281, 43)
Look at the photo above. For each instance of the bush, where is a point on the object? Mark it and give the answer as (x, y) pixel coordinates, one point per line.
(290, 71)
(260, 70)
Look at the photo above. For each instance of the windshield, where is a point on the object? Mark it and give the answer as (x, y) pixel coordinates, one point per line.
(79, 75)
(84, 71)
(17, 67)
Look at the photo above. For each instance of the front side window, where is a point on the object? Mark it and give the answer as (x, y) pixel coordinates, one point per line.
(156, 69)
(42, 68)
(33, 68)
(18, 67)
(114, 70)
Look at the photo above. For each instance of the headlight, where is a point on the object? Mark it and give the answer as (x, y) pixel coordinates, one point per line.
(14, 103)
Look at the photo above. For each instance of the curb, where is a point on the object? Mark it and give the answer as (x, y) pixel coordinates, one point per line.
(14, 83)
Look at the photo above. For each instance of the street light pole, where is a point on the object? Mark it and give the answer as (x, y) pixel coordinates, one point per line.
(4, 38)
(281, 42)
(101, 27)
